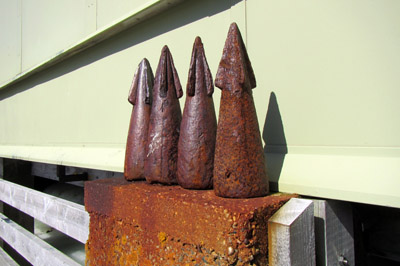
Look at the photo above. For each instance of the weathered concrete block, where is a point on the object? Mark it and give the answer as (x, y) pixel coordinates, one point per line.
(141, 224)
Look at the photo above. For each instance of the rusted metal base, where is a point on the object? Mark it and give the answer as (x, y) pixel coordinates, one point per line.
(141, 224)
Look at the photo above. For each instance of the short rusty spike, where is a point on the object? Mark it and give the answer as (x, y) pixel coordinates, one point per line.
(199, 125)
(140, 97)
(239, 166)
(165, 120)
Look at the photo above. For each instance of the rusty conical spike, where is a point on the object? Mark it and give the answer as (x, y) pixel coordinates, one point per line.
(239, 166)
(165, 120)
(199, 125)
(140, 97)
(235, 72)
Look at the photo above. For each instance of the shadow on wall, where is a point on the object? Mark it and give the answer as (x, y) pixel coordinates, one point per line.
(275, 147)
(175, 17)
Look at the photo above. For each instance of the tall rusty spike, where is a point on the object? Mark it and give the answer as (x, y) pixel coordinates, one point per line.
(165, 120)
(199, 125)
(140, 97)
(239, 166)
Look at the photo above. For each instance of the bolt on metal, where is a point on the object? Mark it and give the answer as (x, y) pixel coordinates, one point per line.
(343, 261)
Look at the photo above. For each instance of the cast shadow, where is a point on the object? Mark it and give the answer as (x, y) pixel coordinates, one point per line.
(177, 16)
(275, 147)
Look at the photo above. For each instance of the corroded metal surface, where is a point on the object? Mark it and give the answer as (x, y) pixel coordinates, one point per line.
(169, 225)
(199, 125)
(165, 120)
(239, 166)
(140, 95)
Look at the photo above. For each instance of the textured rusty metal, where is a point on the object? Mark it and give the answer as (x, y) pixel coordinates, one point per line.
(140, 96)
(165, 119)
(239, 165)
(169, 225)
(199, 125)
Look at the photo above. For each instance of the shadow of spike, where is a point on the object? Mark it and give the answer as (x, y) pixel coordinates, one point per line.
(199, 125)
(140, 96)
(239, 166)
(165, 119)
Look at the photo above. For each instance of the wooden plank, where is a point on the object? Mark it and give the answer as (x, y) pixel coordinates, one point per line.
(333, 233)
(18, 172)
(65, 216)
(32, 248)
(5, 259)
(291, 238)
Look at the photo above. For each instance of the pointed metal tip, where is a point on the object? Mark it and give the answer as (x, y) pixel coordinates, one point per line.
(235, 71)
(197, 41)
(165, 53)
(144, 65)
(233, 27)
(198, 64)
(165, 49)
(198, 49)
(145, 62)
(162, 74)
(143, 72)
(234, 31)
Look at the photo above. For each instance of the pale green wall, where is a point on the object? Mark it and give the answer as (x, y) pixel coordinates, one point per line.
(50, 26)
(10, 39)
(109, 11)
(327, 88)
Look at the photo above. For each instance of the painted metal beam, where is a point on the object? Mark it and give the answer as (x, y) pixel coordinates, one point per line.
(65, 216)
(147, 10)
(100, 158)
(32, 248)
(291, 239)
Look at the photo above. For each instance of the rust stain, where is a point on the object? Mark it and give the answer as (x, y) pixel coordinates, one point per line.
(140, 96)
(239, 164)
(169, 225)
(162, 237)
(165, 119)
(199, 125)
